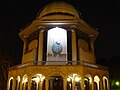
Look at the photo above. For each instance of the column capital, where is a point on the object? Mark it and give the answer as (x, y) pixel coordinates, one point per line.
(73, 26)
(91, 35)
(41, 27)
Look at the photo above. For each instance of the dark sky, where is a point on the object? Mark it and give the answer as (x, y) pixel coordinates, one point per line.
(102, 14)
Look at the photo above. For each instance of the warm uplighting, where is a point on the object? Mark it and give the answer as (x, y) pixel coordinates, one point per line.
(25, 79)
(38, 77)
(96, 81)
(18, 78)
(57, 44)
(68, 79)
(55, 34)
(77, 79)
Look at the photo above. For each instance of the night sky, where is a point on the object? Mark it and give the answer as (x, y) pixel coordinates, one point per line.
(102, 14)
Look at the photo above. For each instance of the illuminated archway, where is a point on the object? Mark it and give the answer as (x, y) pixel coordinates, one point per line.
(105, 83)
(25, 82)
(17, 85)
(56, 83)
(74, 81)
(56, 46)
(38, 82)
(88, 82)
(96, 83)
(10, 83)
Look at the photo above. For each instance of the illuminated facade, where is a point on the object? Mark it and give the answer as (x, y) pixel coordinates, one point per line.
(58, 53)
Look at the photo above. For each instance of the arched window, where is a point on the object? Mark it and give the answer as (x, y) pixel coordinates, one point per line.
(105, 83)
(56, 83)
(10, 83)
(38, 82)
(87, 82)
(96, 83)
(74, 81)
(57, 46)
(69, 83)
(25, 82)
(17, 85)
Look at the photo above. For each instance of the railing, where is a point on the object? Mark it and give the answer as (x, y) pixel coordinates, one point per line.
(67, 63)
(39, 63)
(94, 65)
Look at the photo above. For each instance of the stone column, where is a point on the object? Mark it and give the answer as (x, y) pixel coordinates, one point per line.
(29, 83)
(92, 46)
(82, 83)
(24, 46)
(25, 43)
(74, 48)
(40, 83)
(92, 83)
(18, 86)
(47, 83)
(73, 85)
(13, 85)
(21, 84)
(108, 84)
(40, 47)
(64, 84)
(101, 84)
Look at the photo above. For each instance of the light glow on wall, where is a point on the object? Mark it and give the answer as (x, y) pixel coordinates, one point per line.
(77, 78)
(57, 37)
(25, 79)
(97, 80)
(38, 77)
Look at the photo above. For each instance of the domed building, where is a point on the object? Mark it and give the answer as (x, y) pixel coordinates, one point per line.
(58, 53)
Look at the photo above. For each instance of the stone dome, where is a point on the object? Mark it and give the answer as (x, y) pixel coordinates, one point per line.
(57, 8)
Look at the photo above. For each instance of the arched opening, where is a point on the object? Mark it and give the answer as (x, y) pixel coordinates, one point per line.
(10, 83)
(17, 85)
(56, 83)
(56, 46)
(87, 82)
(74, 81)
(38, 82)
(96, 83)
(25, 82)
(105, 83)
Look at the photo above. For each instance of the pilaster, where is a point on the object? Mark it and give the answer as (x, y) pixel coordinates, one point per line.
(92, 83)
(92, 46)
(40, 47)
(64, 84)
(47, 84)
(74, 48)
(29, 83)
(82, 83)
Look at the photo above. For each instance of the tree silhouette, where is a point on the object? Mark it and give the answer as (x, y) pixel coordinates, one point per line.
(8, 58)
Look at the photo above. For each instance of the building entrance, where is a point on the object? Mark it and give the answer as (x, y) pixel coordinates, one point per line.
(56, 83)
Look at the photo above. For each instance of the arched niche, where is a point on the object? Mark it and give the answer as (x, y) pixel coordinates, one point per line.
(105, 83)
(38, 82)
(25, 82)
(56, 46)
(56, 82)
(74, 81)
(10, 83)
(96, 83)
(88, 82)
(17, 85)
